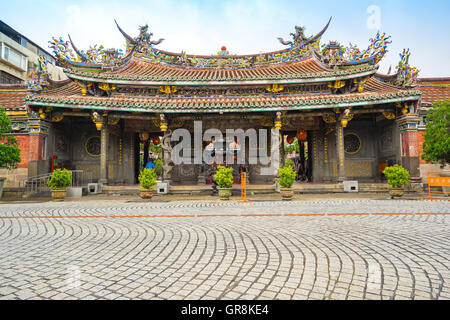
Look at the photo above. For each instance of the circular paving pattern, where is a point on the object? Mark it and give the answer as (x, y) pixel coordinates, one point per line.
(305, 257)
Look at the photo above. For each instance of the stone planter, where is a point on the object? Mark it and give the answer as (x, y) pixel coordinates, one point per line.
(2, 180)
(146, 194)
(224, 193)
(396, 192)
(287, 194)
(59, 195)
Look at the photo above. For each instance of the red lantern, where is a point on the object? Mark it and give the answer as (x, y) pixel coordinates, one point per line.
(143, 136)
(302, 135)
(156, 141)
(290, 139)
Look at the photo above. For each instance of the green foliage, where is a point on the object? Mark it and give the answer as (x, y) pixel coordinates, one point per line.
(224, 177)
(158, 167)
(287, 177)
(156, 148)
(60, 179)
(436, 147)
(289, 148)
(9, 151)
(289, 162)
(147, 178)
(397, 176)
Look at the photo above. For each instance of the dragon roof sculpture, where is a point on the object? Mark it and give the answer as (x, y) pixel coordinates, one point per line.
(299, 39)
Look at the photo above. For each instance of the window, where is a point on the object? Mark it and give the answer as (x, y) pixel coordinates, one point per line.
(14, 57)
(23, 42)
(6, 78)
(49, 58)
(352, 143)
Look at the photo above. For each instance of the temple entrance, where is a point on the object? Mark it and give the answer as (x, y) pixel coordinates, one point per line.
(298, 153)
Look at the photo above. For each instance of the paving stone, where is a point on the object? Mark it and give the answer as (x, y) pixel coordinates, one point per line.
(278, 258)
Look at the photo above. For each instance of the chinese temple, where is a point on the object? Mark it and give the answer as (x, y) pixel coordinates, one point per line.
(350, 120)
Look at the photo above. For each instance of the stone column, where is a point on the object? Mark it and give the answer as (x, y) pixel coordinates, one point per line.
(409, 141)
(340, 151)
(146, 149)
(104, 152)
(167, 157)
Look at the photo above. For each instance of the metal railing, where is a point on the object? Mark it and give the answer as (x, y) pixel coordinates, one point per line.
(38, 184)
(437, 181)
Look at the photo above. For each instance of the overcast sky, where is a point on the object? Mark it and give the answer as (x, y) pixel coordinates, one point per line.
(244, 26)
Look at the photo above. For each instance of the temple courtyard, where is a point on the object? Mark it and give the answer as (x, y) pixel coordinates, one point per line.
(317, 247)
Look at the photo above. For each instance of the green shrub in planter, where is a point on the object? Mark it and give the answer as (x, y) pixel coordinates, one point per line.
(60, 179)
(147, 178)
(289, 162)
(224, 177)
(287, 177)
(397, 176)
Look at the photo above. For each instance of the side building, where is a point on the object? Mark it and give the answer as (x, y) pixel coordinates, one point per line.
(20, 61)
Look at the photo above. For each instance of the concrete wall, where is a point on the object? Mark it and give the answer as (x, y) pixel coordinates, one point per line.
(55, 72)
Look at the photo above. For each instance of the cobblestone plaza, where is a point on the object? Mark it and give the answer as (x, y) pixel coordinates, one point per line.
(321, 249)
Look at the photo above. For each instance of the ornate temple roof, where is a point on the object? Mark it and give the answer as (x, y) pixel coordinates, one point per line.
(376, 92)
(306, 75)
(143, 72)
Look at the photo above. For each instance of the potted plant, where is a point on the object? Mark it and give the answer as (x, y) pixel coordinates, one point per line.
(286, 180)
(398, 177)
(147, 179)
(59, 181)
(224, 180)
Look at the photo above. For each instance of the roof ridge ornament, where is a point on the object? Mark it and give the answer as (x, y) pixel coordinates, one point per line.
(335, 54)
(406, 75)
(142, 43)
(299, 40)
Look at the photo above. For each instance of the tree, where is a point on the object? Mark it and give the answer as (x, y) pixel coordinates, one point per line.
(9, 151)
(436, 147)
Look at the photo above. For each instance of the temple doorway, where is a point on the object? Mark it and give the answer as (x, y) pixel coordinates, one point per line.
(298, 153)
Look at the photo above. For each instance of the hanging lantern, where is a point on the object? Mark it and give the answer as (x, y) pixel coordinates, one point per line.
(278, 123)
(143, 136)
(156, 141)
(302, 135)
(290, 139)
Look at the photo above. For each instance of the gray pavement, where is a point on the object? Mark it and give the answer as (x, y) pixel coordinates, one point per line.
(114, 249)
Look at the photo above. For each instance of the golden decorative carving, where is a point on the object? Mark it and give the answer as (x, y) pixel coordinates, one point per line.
(266, 121)
(274, 88)
(329, 130)
(57, 117)
(168, 89)
(329, 118)
(389, 115)
(113, 121)
(106, 87)
(176, 123)
(338, 84)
